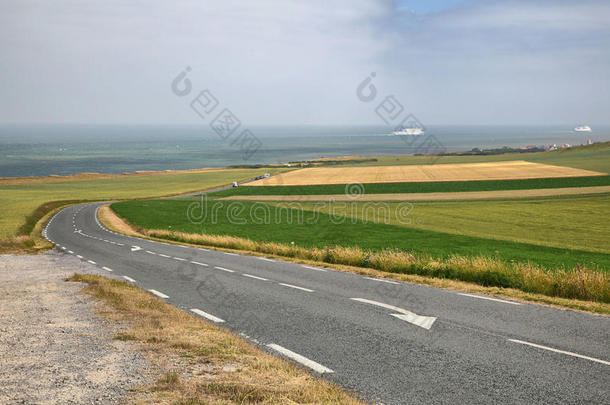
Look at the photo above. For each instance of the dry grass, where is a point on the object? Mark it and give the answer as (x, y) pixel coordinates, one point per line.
(518, 169)
(452, 196)
(200, 363)
(114, 222)
(580, 289)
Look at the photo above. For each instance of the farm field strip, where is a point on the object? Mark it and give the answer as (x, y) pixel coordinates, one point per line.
(465, 195)
(518, 169)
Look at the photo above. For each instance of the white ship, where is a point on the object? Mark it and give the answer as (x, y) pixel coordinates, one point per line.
(583, 128)
(408, 131)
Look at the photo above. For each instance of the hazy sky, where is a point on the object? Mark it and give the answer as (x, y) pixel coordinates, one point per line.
(300, 62)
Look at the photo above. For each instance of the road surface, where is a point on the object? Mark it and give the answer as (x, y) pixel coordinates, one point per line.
(391, 342)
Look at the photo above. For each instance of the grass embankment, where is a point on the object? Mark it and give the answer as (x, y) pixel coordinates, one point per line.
(567, 222)
(423, 187)
(537, 269)
(25, 200)
(199, 362)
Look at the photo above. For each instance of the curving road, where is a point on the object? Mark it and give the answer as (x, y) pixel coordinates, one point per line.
(392, 342)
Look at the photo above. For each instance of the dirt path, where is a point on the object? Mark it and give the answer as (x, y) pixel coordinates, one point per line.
(53, 348)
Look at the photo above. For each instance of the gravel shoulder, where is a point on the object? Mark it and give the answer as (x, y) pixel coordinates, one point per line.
(53, 346)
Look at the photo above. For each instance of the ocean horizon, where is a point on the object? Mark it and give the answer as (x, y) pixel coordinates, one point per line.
(41, 150)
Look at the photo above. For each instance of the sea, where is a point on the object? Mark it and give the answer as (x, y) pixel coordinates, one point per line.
(40, 150)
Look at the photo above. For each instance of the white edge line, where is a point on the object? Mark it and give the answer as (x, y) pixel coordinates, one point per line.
(179, 258)
(313, 268)
(106, 268)
(489, 298)
(317, 367)
(158, 293)
(79, 256)
(382, 280)
(91, 261)
(223, 269)
(207, 316)
(256, 277)
(162, 255)
(265, 259)
(296, 286)
(560, 351)
(129, 279)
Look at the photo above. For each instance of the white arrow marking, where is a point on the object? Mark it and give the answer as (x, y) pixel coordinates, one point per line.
(134, 248)
(425, 322)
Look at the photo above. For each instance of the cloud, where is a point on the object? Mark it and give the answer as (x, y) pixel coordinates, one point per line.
(276, 61)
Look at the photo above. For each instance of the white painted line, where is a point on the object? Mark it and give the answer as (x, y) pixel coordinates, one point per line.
(296, 286)
(489, 298)
(63, 247)
(198, 263)
(179, 258)
(129, 279)
(230, 254)
(135, 248)
(149, 252)
(71, 252)
(317, 367)
(106, 268)
(256, 277)
(266, 259)
(162, 255)
(91, 261)
(313, 268)
(159, 294)
(425, 322)
(382, 280)
(120, 244)
(79, 256)
(207, 316)
(223, 269)
(561, 351)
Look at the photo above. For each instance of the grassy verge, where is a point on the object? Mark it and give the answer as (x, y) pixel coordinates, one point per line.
(424, 187)
(199, 362)
(113, 222)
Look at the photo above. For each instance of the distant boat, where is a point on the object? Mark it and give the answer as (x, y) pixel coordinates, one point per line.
(408, 131)
(583, 128)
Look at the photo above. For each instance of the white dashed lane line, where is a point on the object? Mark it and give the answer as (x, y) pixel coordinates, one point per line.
(207, 316)
(91, 261)
(296, 287)
(162, 255)
(255, 277)
(106, 268)
(150, 253)
(560, 351)
(131, 280)
(317, 367)
(199, 263)
(158, 293)
(180, 259)
(224, 269)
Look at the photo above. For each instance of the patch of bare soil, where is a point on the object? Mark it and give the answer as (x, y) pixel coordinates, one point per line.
(53, 347)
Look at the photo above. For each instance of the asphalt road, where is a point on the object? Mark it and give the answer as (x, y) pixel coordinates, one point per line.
(392, 342)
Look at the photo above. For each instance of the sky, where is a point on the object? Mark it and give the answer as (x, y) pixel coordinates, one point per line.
(301, 62)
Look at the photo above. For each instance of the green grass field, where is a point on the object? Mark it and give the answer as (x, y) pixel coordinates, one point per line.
(242, 219)
(591, 157)
(573, 222)
(429, 187)
(20, 197)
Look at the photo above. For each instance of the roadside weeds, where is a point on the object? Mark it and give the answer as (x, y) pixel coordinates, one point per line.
(200, 362)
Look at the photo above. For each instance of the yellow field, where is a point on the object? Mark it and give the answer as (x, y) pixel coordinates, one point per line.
(517, 169)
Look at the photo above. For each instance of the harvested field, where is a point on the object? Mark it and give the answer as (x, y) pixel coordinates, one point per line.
(464, 195)
(518, 169)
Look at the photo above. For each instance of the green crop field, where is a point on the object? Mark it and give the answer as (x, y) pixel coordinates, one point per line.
(20, 197)
(565, 222)
(424, 187)
(262, 222)
(590, 157)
